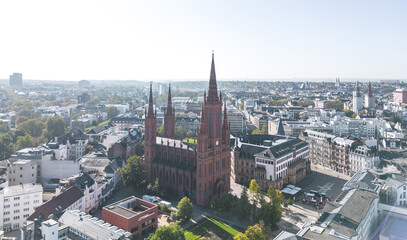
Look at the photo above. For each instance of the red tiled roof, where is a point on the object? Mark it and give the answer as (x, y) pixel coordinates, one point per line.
(58, 204)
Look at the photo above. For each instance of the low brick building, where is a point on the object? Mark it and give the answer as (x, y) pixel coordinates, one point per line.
(132, 214)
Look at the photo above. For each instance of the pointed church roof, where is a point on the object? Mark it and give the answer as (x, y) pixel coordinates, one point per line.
(213, 88)
(150, 102)
(280, 129)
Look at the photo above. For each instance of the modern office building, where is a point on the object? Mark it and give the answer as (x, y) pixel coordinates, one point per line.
(16, 80)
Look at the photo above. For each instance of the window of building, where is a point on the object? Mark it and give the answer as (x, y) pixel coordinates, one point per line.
(6, 213)
(6, 219)
(16, 198)
(16, 204)
(6, 206)
(16, 211)
(16, 217)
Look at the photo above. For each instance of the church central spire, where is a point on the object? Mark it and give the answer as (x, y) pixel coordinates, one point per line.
(213, 88)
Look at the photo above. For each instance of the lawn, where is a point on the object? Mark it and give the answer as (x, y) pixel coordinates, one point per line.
(209, 228)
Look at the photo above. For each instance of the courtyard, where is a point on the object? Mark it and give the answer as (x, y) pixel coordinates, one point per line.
(211, 228)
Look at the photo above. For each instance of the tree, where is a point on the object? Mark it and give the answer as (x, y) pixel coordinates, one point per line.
(55, 127)
(185, 208)
(28, 112)
(4, 127)
(222, 202)
(25, 142)
(21, 120)
(111, 112)
(179, 132)
(93, 102)
(254, 233)
(240, 236)
(6, 146)
(133, 173)
(190, 134)
(156, 187)
(160, 131)
(270, 212)
(170, 232)
(348, 113)
(254, 188)
(338, 105)
(243, 206)
(33, 127)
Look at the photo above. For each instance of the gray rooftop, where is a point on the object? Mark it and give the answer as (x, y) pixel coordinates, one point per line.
(91, 226)
(22, 189)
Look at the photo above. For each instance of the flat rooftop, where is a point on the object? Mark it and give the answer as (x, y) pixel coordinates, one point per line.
(129, 207)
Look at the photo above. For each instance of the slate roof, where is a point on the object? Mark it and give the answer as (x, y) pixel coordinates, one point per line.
(58, 203)
(93, 227)
(363, 180)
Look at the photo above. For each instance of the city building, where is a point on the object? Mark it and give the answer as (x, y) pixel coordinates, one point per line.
(17, 203)
(84, 84)
(199, 171)
(21, 172)
(236, 121)
(16, 80)
(270, 159)
(132, 214)
(358, 127)
(400, 96)
(83, 226)
(364, 156)
(357, 100)
(353, 215)
(71, 199)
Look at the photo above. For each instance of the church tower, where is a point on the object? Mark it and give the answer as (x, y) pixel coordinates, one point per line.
(213, 146)
(370, 101)
(357, 100)
(150, 136)
(169, 118)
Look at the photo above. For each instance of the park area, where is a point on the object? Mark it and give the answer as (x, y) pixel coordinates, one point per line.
(211, 228)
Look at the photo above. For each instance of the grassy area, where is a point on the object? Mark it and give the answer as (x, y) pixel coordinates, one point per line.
(210, 227)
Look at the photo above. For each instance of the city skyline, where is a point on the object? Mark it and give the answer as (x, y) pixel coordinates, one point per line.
(140, 40)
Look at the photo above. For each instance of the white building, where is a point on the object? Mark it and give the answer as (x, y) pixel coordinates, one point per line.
(21, 172)
(364, 157)
(17, 203)
(358, 127)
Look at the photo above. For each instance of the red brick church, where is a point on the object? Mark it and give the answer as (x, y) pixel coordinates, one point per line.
(201, 170)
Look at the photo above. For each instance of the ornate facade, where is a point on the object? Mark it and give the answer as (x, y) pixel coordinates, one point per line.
(202, 170)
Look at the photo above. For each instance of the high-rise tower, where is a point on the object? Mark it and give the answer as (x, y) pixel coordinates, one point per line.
(213, 146)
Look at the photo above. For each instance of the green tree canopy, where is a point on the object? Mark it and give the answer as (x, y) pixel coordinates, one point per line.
(348, 113)
(338, 105)
(55, 127)
(170, 232)
(33, 127)
(111, 112)
(133, 173)
(185, 208)
(25, 142)
(179, 132)
(6, 146)
(20, 120)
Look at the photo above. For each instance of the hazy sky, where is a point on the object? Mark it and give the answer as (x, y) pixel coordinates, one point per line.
(171, 40)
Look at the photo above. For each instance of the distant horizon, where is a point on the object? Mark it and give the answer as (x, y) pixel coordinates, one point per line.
(224, 80)
(163, 40)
